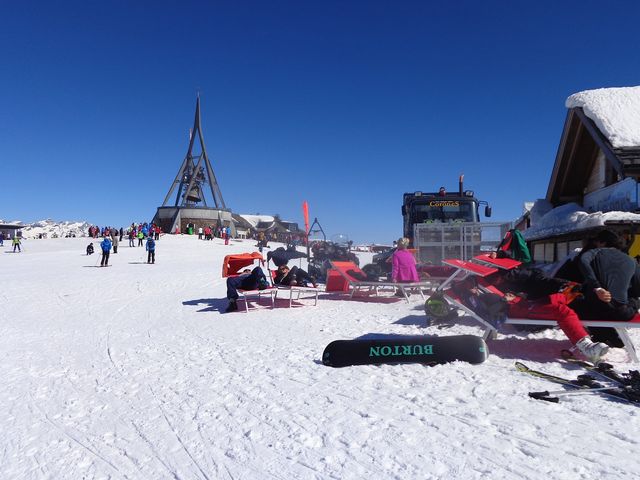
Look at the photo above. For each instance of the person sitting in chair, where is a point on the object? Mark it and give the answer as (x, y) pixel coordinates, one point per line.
(256, 279)
(293, 276)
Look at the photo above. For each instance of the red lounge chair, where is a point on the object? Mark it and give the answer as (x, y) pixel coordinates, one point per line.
(353, 277)
(480, 268)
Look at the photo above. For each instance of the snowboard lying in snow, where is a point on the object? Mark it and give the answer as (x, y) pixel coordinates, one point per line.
(403, 349)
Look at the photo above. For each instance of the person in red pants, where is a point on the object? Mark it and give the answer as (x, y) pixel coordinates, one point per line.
(548, 299)
(555, 307)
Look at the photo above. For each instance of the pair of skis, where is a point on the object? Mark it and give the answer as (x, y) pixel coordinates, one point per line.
(601, 379)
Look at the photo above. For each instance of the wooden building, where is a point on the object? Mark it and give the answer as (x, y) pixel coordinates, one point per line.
(594, 170)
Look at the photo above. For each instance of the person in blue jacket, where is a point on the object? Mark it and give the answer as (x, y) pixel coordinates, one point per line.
(106, 249)
(151, 248)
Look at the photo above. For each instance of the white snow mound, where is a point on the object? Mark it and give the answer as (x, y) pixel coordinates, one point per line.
(615, 111)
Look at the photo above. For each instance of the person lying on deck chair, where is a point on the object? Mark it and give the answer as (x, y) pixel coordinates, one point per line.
(529, 294)
(245, 281)
(293, 276)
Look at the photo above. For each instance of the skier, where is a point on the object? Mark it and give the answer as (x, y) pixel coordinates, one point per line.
(140, 237)
(151, 248)
(106, 249)
(90, 249)
(200, 233)
(1, 239)
(16, 243)
(227, 235)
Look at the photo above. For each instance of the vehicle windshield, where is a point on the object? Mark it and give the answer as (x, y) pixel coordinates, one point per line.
(443, 211)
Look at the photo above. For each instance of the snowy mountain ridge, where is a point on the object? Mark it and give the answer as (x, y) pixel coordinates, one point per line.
(52, 229)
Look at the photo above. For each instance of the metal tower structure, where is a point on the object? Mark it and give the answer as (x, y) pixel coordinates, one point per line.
(195, 173)
(193, 207)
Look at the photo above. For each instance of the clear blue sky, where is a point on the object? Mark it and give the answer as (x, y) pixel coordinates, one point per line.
(344, 104)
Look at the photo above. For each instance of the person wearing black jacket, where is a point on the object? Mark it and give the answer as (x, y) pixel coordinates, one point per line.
(611, 285)
(293, 276)
(245, 281)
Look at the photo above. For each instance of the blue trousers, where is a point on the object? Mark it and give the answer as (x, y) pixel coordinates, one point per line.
(247, 281)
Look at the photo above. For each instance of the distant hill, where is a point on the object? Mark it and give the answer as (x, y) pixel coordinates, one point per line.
(51, 229)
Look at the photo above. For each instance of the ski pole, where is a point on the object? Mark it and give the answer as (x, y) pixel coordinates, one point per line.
(553, 396)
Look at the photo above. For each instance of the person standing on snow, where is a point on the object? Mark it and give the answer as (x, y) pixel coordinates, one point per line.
(105, 245)
(227, 235)
(151, 248)
(403, 263)
(140, 237)
(16, 243)
(114, 240)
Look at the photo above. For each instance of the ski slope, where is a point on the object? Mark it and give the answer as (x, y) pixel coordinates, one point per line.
(132, 372)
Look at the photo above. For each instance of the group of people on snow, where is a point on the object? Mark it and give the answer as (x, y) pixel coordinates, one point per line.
(112, 237)
(601, 282)
(146, 229)
(210, 231)
(403, 270)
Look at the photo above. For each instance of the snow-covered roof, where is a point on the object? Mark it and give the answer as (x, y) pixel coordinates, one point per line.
(571, 218)
(615, 111)
(254, 220)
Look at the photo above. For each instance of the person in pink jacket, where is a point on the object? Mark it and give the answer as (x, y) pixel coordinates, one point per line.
(404, 264)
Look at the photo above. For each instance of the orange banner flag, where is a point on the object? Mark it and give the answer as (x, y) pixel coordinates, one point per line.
(305, 213)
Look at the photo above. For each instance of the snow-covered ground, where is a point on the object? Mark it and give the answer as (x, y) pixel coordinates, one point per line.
(132, 372)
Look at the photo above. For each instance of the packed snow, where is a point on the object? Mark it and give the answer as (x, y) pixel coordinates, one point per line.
(133, 372)
(571, 217)
(615, 111)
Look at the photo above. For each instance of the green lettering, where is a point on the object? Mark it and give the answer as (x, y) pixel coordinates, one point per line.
(406, 350)
(374, 351)
(417, 350)
(386, 351)
(428, 349)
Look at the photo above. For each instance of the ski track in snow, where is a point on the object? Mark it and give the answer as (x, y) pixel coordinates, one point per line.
(131, 372)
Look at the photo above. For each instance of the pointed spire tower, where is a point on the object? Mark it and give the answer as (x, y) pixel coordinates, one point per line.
(198, 200)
